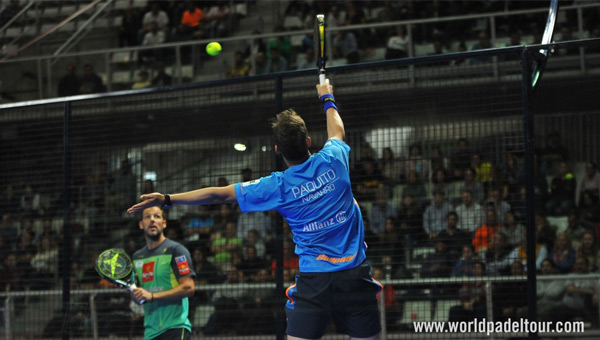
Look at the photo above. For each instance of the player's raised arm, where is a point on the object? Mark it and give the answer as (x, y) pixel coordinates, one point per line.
(335, 125)
(212, 195)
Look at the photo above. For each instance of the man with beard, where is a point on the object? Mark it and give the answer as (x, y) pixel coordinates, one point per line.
(166, 305)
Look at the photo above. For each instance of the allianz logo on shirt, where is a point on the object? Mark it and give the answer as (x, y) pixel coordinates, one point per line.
(315, 184)
(313, 226)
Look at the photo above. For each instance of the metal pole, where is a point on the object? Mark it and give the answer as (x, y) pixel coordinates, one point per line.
(580, 30)
(66, 258)
(279, 289)
(7, 314)
(40, 71)
(94, 316)
(528, 135)
(382, 314)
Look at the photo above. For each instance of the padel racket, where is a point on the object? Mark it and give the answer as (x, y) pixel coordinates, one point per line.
(116, 266)
(319, 41)
(542, 56)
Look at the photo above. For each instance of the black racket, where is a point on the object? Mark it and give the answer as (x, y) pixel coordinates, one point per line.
(116, 266)
(542, 56)
(319, 41)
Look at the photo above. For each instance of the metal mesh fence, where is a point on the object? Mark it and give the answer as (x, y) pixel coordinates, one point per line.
(438, 166)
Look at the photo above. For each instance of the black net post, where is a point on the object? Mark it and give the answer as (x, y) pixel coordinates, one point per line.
(66, 248)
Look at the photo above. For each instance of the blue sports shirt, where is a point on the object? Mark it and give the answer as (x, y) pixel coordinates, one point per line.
(316, 199)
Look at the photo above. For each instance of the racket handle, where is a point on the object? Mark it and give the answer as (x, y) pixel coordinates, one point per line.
(131, 288)
(322, 77)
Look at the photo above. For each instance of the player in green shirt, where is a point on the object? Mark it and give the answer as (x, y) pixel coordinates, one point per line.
(165, 274)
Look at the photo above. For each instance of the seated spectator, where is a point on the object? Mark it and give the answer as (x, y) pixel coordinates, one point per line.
(30, 202)
(392, 307)
(483, 43)
(455, 238)
(45, 263)
(511, 296)
(472, 297)
(217, 19)
(440, 182)
(390, 167)
(513, 172)
(410, 217)
(276, 62)
(520, 252)
(259, 64)
(576, 302)
(461, 160)
(12, 276)
(470, 214)
(381, 211)
(258, 221)
(223, 245)
(90, 82)
(282, 43)
(130, 26)
(590, 183)
(562, 191)
(254, 240)
(390, 241)
(252, 263)
(346, 46)
(255, 46)
(545, 233)
(153, 37)
(552, 154)
(415, 162)
(484, 234)
(69, 85)
(439, 263)
(415, 186)
(465, 265)
(438, 161)
(588, 211)
(397, 45)
(161, 78)
(496, 202)
(239, 68)
(435, 217)
(482, 168)
(514, 231)
(588, 248)
(192, 23)
(563, 254)
(575, 229)
(157, 16)
(549, 292)
(290, 259)
(472, 185)
(227, 302)
(143, 81)
(499, 255)
(369, 179)
(309, 59)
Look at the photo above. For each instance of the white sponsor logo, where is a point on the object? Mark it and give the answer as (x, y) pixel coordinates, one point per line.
(315, 184)
(340, 217)
(312, 226)
(139, 264)
(245, 184)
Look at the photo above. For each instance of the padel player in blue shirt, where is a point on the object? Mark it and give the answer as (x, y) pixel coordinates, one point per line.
(315, 197)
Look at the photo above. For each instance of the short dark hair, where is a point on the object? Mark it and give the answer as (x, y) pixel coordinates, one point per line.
(290, 135)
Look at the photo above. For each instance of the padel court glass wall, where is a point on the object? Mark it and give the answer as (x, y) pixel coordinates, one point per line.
(468, 180)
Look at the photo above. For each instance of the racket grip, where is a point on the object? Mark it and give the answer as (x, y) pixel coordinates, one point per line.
(322, 77)
(131, 288)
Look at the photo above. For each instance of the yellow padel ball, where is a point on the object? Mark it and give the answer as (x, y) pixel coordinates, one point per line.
(213, 48)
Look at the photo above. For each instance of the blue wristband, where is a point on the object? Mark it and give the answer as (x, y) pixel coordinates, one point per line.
(328, 102)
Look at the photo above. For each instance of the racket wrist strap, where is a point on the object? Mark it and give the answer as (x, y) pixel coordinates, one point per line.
(328, 102)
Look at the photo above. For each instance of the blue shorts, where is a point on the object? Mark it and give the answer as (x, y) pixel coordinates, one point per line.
(348, 296)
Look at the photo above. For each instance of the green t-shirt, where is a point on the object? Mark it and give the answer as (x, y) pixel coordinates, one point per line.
(158, 270)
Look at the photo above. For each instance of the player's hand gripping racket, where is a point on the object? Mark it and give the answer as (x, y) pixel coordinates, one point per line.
(319, 41)
(115, 266)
